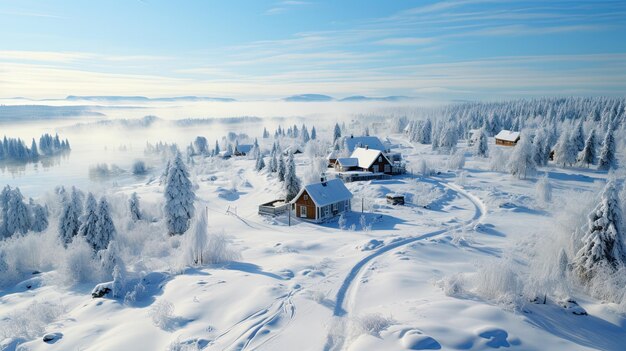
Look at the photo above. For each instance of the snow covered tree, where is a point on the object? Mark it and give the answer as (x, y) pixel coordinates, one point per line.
(565, 152)
(578, 137)
(18, 216)
(607, 153)
(544, 191)
(336, 133)
(40, 218)
(266, 134)
(281, 169)
(588, 155)
(425, 132)
(273, 161)
(292, 182)
(200, 145)
(521, 163)
(313, 133)
(304, 134)
(133, 207)
(69, 223)
(105, 229)
(34, 153)
(179, 198)
(199, 237)
(260, 163)
(603, 242)
(89, 226)
(449, 138)
(481, 146)
(541, 152)
(217, 150)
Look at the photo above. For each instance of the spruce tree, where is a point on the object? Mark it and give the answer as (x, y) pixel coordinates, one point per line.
(565, 152)
(292, 182)
(260, 163)
(336, 133)
(89, 226)
(522, 164)
(607, 153)
(40, 218)
(179, 198)
(313, 133)
(69, 223)
(281, 169)
(603, 243)
(105, 229)
(588, 155)
(579, 137)
(133, 207)
(18, 214)
(481, 146)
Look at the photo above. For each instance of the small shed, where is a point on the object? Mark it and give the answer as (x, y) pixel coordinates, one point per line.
(318, 202)
(332, 158)
(273, 208)
(243, 149)
(395, 199)
(507, 138)
(345, 164)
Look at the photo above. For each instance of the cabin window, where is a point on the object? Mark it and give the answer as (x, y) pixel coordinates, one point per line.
(380, 159)
(306, 197)
(334, 207)
(387, 169)
(303, 211)
(326, 211)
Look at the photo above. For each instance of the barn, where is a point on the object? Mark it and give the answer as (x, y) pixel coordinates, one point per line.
(507, 138)
(318, 202)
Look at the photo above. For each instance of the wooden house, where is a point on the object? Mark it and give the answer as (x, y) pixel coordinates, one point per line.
(243, 149)
(507, 138)
(321, 201)
(332, 158)
(371, 160)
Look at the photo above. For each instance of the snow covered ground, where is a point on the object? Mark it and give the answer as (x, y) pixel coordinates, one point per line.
(422, 276)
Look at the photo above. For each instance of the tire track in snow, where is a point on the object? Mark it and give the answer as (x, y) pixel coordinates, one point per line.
(346, 293)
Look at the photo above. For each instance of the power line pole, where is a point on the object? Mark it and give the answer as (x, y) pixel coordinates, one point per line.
(362, 201)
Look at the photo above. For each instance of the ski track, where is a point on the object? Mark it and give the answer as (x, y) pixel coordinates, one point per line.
(347, 292)
(257, 325)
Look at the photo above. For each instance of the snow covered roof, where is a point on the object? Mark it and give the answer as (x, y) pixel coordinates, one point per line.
(326, 193)
(348, 161)
(508, 135)
(244, 148)
(366, 157)
(332, 155)
(371, 142)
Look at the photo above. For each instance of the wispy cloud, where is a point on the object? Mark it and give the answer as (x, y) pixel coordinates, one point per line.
(30, 14)
(284, 6)
(405, 41)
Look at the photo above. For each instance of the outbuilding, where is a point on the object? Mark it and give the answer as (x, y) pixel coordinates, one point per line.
(507, 138)
(321, 201)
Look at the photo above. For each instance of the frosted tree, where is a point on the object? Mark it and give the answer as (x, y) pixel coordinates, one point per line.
(216, 151)
(273, 161)
(199, 237)
(69, 223)
(313, 133)
(18, 216)
(110, 258)
(89, 226)
(336, 132)
(34, 153)
(588, 155)
(105, 229)
(578, 137)
(133, 207)
(342, 221)
(521, 163)
(260, 163)
(40, 218)
(292, 182)
(304, 134)
(179, 198)
(200, 145)
(603, 242)
(544, 191)
(282, 168)
(565, 152)
(5, 196)
(425, 132)
(266, 134)
(481, 146)
(607, 153)
(541, 152)
(448, 139)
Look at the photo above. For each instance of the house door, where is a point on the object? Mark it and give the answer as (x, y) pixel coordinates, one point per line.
(375, 168)
(303, 211)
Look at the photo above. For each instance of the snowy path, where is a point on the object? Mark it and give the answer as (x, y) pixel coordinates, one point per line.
(346, 294)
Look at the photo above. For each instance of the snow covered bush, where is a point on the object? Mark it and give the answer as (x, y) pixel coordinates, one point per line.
(139, 168)
(372, 324)
(30, 322)
(78, 264)
(498, 160)
(423, 168)
(543, 191)
(162, 314)
(497, 281)
(456, 160)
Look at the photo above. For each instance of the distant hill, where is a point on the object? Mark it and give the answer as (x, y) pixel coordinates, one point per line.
(146, 99)
(309, 98)
(38, 112)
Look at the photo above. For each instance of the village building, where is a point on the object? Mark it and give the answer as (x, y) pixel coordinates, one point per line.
(243, 149)
(370, 142)
(507, 138)
(292, 150)
(321, 201)
(332, 158)
(372, 160)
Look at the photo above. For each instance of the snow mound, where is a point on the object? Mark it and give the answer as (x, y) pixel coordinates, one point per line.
(416, 340)
(371, 245)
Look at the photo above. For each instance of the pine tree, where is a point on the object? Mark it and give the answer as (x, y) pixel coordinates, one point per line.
(305, 134)
(133, 207)
(565, 152)
(292, 182)
(603, 243)
(541, 153)
(425, 132)
(521, 164)
(105, 229)
(313, 133)
(336, 133)
(607, 153)
(588, 155)
(281, 168)
(481, 146)
(179, 198)
(260, 163)
(217, 148)
(89, 226)
(69, 223)
(18, 216)
(34, 153)
(5, 196)
(40, 218)
(579, 137)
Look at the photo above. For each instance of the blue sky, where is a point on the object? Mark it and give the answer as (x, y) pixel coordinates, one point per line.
(472, 49)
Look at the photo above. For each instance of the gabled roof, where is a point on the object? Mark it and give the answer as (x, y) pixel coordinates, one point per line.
(371, 142)
(348, 161)
(332, 155)
(508, 135)
(326, 193)
(244, 148)
(366, 157)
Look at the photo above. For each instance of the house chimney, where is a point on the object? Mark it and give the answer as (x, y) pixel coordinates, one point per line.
(351, 136)
(367, 147)
(323, 179)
